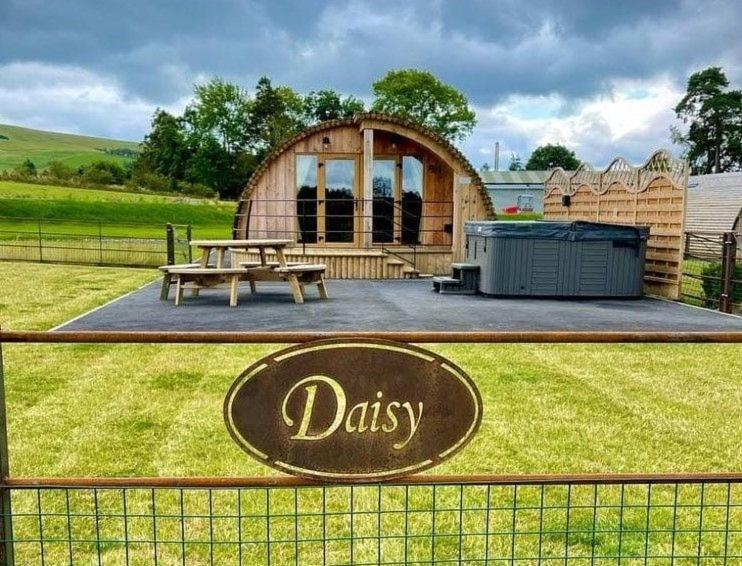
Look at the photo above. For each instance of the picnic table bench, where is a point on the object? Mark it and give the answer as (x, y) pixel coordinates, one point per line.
(196, 276)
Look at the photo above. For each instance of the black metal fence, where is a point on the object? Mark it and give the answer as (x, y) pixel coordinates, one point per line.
(689, 518)
(712, 271)
(93, 243)
(442, 522)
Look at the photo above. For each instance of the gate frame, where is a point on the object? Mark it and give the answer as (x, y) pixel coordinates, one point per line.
(9, 483)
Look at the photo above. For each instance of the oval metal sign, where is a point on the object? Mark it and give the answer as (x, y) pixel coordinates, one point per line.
(353, 410)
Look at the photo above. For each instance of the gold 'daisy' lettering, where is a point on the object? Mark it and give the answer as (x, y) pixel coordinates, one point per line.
(356, 420)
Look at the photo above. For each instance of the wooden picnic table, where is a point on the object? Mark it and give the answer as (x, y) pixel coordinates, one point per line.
(297, 275)
(221, 247)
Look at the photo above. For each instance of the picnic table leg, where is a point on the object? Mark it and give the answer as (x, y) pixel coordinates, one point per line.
(281, 257)
(322, 288)
(263, 259)
(219, 258)
(206, 252)
(295, 288)
(233, 288)
(178, 291)
(253, 289)
(165, 291)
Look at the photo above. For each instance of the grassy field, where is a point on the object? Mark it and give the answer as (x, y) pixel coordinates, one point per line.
(18, 144)
(157, 410)
(75, 209)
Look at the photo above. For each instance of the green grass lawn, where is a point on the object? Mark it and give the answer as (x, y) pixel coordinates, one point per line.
(43, 147)
(77, 410)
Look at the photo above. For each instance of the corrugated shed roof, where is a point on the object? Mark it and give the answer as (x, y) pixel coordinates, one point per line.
(514, 177)
(714, 202)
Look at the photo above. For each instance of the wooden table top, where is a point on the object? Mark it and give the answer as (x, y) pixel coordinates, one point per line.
(241, 243)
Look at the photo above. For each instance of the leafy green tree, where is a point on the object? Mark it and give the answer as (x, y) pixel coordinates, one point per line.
(221, 110)
(164, 150)
(323, 105)
(714, 117)
(550, 156)
(276, 114)
(516, 164)
(27, 168)
(420, 97)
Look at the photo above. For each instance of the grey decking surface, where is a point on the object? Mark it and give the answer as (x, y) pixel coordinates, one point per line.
(391, 305)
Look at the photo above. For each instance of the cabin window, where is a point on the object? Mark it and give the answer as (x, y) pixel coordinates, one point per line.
(340, 180)
(306, 197)
(412, 199)
(384, 194)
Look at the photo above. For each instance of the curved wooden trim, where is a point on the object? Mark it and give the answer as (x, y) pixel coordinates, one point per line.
(422, 135)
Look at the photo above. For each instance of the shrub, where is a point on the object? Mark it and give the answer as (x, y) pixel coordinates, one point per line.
(104, 173)
(712, 283)
(197, 190)
(152, 181)
(60, 171)
(26, 169)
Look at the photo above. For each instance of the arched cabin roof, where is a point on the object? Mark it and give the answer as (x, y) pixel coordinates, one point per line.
(422, 135)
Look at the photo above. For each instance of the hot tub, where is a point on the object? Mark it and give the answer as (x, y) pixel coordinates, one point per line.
(557, 259)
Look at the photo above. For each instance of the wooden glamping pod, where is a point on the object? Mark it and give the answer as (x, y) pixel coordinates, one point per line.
(371, 197)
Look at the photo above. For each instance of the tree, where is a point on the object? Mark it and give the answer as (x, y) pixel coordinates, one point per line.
(486, 167)
(714, 117)
(221, 110)
(515, 163)
(420, 97)
(323, 105)
(276, 114)
(550, 156)
(164, 150)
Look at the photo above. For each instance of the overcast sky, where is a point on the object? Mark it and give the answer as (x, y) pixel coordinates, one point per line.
(599, 77)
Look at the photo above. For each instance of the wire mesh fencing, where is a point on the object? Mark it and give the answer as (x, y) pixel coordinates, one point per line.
(646, 523)
(93, 243)
(712, 271)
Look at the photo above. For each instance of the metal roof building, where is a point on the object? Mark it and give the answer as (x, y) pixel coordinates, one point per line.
(714, 203)
(504, 188)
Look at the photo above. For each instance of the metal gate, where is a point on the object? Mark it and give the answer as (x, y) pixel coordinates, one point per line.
(712, 271)
(688, 518)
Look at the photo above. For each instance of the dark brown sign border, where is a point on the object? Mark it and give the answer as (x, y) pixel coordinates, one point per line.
(446, 365)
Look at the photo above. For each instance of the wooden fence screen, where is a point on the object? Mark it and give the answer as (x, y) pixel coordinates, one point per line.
(650, 195)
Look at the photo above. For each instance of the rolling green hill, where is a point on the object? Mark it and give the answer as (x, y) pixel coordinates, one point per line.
(41, 147)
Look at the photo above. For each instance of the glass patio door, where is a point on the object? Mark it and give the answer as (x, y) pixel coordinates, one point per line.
(384, 196)
(338, 207)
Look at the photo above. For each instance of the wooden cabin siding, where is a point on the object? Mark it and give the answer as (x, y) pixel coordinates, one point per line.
(452, 190)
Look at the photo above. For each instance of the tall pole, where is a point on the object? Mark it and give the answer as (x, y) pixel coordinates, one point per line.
(6, 524)
(497, 156)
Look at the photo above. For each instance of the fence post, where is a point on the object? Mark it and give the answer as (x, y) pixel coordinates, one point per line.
(728, 253)
(41, 246)
(170, 236)
(189, 237)
(6, 524)
(100, 243)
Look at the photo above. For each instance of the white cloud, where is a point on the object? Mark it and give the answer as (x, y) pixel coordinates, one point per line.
(632, 119)
(71, 99)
